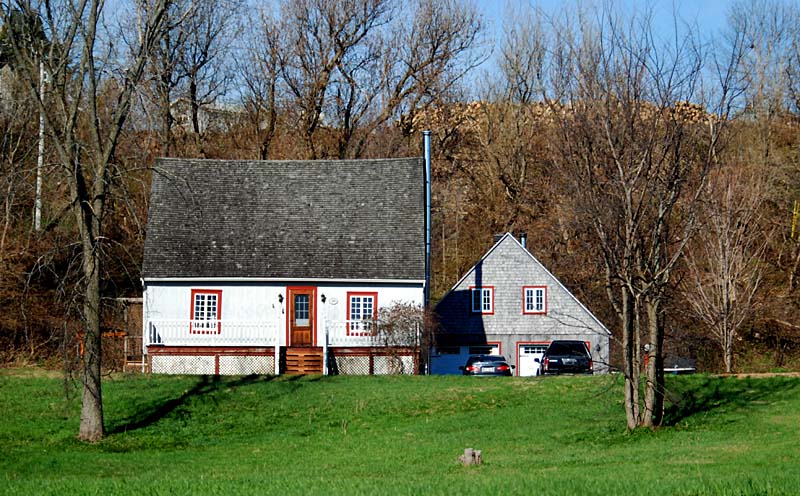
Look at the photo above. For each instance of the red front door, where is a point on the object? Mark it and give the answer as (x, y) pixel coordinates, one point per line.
(302, 316)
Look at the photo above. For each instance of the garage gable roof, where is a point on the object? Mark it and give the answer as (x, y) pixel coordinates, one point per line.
(451, 307)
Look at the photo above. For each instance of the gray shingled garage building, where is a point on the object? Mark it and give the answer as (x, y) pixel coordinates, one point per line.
(508, 303)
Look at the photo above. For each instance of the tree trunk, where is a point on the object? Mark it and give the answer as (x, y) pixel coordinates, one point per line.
(630, 369)
(654, 388)
(91, 427)
(166, 121)
(194, 106)
(795, 265)
(727, 341)
(268, 134)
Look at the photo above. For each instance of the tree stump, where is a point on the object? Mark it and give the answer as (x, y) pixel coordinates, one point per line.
(471, 457)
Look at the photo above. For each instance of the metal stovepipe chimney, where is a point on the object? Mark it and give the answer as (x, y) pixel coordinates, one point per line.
(427, 140)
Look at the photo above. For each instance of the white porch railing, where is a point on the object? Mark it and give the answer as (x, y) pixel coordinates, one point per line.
(205, 333)
(258, 333)
(339, 333)
(366, 333)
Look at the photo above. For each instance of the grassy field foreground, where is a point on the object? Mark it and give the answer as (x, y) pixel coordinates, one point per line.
(397, 435)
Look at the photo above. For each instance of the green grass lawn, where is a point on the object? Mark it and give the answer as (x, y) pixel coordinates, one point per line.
(397, 435)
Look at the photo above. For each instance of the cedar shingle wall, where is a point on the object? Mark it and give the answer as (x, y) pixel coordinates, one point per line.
(508, 267)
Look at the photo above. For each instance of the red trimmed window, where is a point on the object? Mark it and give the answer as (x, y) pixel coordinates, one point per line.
(362, 312)
(534, 299)
(482, 299)
(206, 311)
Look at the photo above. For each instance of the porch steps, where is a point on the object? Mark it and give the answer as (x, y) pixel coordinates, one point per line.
(303, 360)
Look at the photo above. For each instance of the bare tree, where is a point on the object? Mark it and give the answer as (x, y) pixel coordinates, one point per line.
(207, 58)
(793, 71)
(522, 53)
(31, 38)
(509, 129)
(725, 267)
(259, 74)
(16, 149)
(84, 137)
(430, 58)
(317, 36)
(192, 65)
(636, 158)
(769, 30)
(347, 68)
(164, 72)
(405, 328)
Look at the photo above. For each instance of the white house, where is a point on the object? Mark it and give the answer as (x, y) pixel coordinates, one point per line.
(509, 304)
(281, 266)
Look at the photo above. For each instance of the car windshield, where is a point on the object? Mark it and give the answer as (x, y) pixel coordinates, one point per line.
(567, 348)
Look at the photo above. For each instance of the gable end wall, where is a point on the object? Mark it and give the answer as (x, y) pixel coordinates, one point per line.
(508, 268)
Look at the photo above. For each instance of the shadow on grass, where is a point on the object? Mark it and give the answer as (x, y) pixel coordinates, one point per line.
(206, 384)
(695, 395)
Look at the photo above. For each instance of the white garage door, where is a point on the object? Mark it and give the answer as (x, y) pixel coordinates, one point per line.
(528, 353)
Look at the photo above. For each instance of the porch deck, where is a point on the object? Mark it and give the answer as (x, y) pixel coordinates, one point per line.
(231, 347)
(254, 333)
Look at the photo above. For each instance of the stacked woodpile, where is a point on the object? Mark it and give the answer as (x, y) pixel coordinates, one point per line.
(691, 112)
(473, 117)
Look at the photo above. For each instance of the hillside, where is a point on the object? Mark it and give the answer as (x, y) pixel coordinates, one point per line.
(397, 435)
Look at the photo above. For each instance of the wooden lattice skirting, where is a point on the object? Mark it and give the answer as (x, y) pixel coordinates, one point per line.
(247, 361)
(211, 361)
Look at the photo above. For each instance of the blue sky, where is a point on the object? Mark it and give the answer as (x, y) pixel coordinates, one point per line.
(709, 15)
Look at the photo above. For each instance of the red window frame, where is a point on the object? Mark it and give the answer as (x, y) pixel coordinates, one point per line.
(481, 311)
(217, 329)
(360, 332)
(525, 310)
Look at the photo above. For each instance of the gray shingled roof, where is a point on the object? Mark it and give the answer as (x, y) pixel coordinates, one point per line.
(350, 219)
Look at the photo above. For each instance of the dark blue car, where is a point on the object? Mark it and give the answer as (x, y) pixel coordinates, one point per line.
(486, 365)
